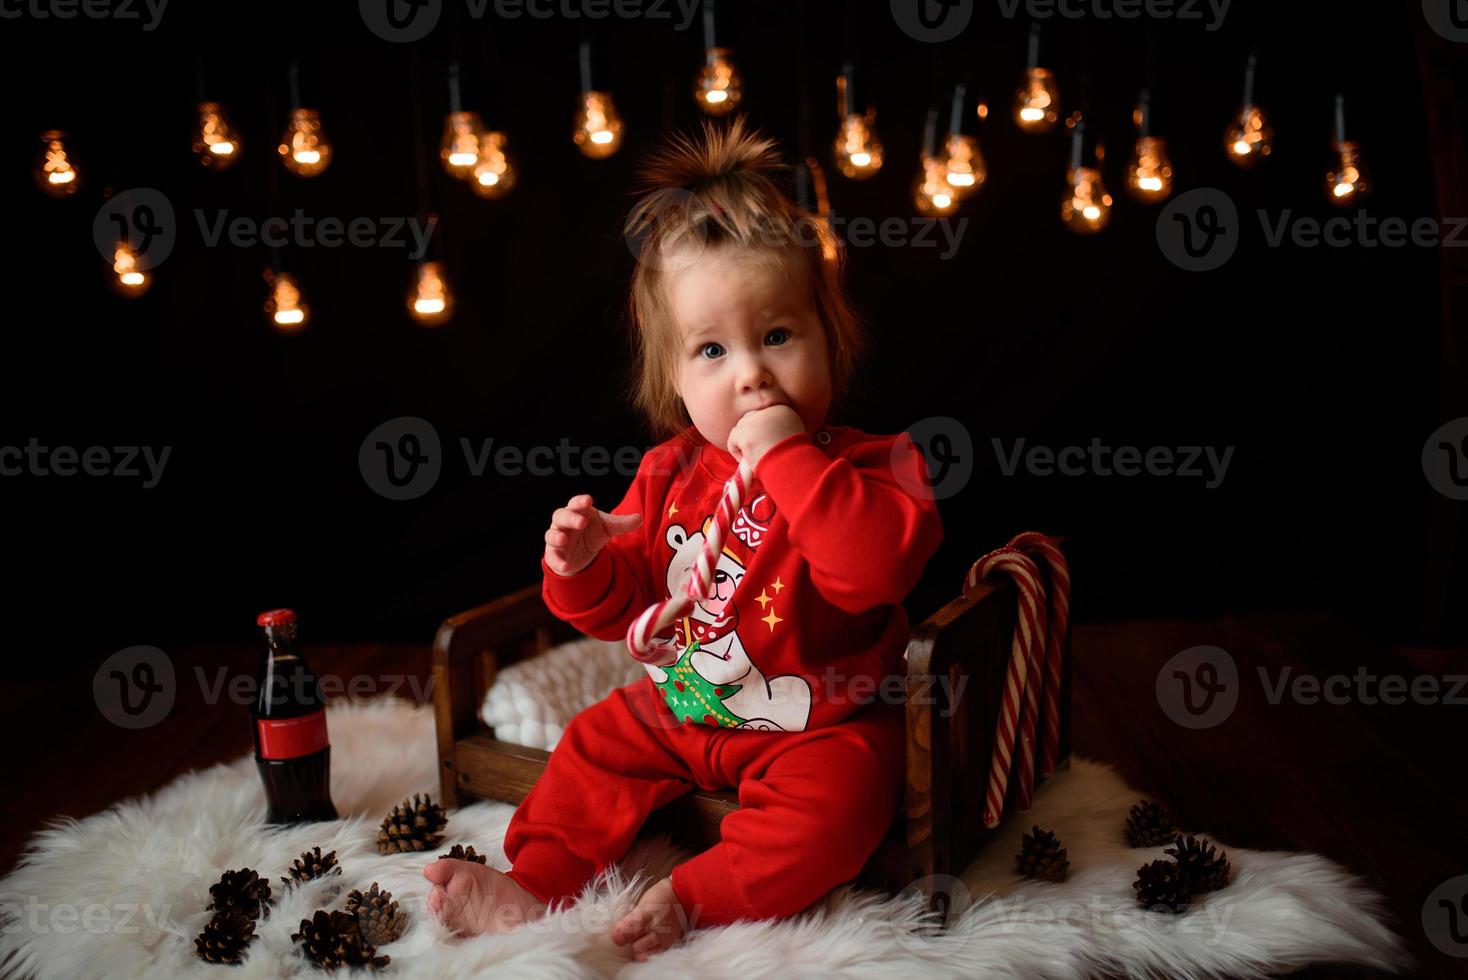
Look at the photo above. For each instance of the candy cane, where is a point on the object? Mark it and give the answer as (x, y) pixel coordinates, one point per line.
(1020, 697)
(1027, 678)
(660, 615)
(1034, 542)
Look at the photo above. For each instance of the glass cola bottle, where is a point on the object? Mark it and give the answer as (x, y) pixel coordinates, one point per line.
(292, 749)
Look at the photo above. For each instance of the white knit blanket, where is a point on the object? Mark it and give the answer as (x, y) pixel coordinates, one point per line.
(122, 893)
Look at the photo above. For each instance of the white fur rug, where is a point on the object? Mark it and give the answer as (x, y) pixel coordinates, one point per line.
(122, 893)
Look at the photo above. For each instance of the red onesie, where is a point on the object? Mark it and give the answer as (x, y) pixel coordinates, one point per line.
(787, 684)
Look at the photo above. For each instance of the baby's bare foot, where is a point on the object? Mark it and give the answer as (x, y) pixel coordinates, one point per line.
(470, 898)
(656, 923)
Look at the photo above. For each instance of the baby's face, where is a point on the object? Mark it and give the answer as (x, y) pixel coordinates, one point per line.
(750, 337)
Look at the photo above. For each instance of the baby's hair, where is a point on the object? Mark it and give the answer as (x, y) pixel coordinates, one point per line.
(718, 190)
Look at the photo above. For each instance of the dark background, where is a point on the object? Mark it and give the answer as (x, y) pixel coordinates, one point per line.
(1320, 366)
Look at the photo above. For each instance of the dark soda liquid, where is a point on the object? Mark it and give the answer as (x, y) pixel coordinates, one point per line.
(292, 750)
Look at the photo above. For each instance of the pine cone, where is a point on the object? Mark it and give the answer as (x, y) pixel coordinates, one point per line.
(458, 853)
(331, 939)
(1041, 856)
(225, 938)
(243, 892)
(1204, 869)
(1149, 824)
(378, 917)
(412, 826)
(310, 866)
(1161, 887)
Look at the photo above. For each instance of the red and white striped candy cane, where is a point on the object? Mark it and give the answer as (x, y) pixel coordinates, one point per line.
(1059, 593)
(660, 615)
(1029, 677)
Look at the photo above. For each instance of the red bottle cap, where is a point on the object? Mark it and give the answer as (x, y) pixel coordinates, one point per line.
(275, 617)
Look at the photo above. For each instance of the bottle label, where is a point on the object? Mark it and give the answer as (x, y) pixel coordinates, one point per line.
(290, 738)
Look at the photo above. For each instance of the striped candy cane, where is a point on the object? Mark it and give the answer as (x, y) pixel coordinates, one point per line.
(1038, 629)
(660, 615)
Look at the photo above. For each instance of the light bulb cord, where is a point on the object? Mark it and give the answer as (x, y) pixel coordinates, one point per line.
(1144, 106)
(1340, 118)
(294, 76)
(930, 133)
(843, 91)
(585, 60)
(1077, 139)
(1032, 59)
(1250, 67)
(455, 103)
(955, 116)
(709, 40)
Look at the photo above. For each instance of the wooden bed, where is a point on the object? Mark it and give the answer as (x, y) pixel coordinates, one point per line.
(934, 837)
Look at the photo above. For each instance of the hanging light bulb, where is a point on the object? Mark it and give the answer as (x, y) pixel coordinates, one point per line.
(56, 170)
(931, 191)
(303, 148)
(429, 301)
(598, 132)
(598, 127)
(494, 175)
(216, 144)
(286, 310)
(1347, 182)
(462, 134)
(1086, 207)
(1249, 137)
(718, 87)
(1149, 174)
(1037, 103)
(963, 164)
(127, 278)
(858, 151)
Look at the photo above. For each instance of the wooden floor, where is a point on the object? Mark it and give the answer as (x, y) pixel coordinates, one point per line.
(1380, 789)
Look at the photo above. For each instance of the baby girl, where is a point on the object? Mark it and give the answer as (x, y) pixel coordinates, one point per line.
(772, 684)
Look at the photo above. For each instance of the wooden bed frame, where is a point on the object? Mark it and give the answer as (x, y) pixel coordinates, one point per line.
(939, 830)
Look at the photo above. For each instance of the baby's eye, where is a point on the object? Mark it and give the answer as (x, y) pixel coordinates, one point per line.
(781, 333)
(704, 351)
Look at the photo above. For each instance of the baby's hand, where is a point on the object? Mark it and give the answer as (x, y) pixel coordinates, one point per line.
(578, 531)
